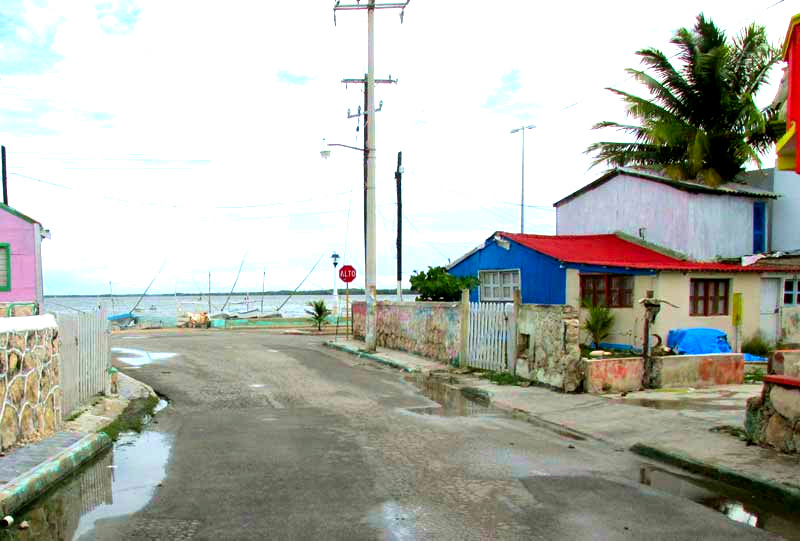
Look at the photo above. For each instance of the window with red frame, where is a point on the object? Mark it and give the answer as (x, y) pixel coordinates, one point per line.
(612, 290)
(708, 297)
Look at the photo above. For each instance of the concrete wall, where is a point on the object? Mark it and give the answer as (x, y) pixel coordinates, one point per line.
(24, 240)
(674, 287)
(613, 375)
(552, 355)
(29, 378)
(785, 362)
(790, 323)
(430, 329)
(701, 226)
(697, 370)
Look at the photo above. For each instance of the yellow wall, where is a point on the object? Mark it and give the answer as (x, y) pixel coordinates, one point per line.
(674, 287)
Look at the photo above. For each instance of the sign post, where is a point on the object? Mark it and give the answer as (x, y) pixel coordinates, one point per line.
(347, 274)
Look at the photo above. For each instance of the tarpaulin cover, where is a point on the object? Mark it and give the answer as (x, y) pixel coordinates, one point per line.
(697, 341)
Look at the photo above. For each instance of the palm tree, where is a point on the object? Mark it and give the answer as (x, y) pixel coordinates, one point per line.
(318, 312)
(701, 122)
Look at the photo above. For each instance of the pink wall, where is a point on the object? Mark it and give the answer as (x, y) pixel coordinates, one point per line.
(613, 375)
(21, 235)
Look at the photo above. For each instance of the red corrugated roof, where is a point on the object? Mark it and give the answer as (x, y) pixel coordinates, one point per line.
(614, 251)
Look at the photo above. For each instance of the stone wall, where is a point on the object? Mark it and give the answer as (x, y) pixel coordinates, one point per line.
(697, 370)
(430, 329)
(785, 362)
(613, 375)
(18, 309)
(29, 379)
(790, 324)
(548, 346)
(773, 419)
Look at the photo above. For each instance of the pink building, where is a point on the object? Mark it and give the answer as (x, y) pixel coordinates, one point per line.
(20, 257)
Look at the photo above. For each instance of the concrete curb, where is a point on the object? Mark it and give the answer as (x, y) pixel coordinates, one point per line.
(371, 356)
(784, 494)
(30, 485)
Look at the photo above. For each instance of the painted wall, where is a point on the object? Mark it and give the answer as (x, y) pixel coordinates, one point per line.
(628, 322)
(25, 240)
(613, 375)
(29, 379)
(785, 362)
(552, 355)
(790, 324)
(786, 218)
(430, 329)
(701, 226)
(697, 370)
(542, 280)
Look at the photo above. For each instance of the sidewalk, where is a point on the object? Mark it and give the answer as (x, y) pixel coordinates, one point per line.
(28, 472)
(674, 427)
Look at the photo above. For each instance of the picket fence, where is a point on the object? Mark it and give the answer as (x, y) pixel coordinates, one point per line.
(85, 357)
(492, 333)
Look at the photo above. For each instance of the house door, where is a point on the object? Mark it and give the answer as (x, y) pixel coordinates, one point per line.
(770, 288)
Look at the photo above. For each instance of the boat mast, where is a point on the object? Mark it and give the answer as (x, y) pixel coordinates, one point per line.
(263, 278)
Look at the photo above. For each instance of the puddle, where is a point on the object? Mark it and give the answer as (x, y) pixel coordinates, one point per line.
(140, 357)
(680, 404)
(118, 483)
(394, 521)
(738, 505)
(452, 400)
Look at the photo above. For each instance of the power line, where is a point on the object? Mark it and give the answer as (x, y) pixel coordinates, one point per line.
(193, 207)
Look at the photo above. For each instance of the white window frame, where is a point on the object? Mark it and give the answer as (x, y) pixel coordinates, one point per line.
(795, 281)
(492, 280)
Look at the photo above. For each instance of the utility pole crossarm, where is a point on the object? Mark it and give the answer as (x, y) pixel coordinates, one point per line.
(351, 7)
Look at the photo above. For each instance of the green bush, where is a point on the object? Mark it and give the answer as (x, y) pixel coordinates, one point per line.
(756, 345)
(439, 285)
(599, 323)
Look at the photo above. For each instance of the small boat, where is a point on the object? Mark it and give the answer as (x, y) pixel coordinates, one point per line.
(123, 320)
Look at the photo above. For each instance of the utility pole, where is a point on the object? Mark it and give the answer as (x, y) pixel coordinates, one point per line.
(522, 195)
(370, 289)
(398, 176)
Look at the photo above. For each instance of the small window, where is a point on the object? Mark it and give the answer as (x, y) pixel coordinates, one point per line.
(709, 297)
(612, 290)
(790, 291)
(498, 285)
(5, 267)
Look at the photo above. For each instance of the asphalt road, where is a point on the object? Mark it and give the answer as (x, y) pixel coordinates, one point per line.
(277, 437)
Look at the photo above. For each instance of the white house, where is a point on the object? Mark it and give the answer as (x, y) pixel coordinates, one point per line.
(701, 222)
(784, 227)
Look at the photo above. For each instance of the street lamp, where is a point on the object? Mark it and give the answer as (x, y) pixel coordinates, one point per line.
(335, 258)
(522, 197)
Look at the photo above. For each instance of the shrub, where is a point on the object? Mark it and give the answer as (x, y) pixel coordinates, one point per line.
(756, 345)
(318, 312)
(599, 323)
(439, 285)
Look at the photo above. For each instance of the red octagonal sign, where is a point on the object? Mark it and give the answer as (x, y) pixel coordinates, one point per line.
(347, 273)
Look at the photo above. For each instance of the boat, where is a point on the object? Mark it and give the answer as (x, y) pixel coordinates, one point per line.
(128, 319)
(122, 320)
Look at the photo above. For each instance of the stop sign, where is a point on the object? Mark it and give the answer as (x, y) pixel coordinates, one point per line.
(347, 273)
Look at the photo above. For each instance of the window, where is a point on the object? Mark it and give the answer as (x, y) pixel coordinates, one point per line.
(612, 290)
(759, 227)
(708, 297)
(791, 289)
(498, 285)
(5, 267)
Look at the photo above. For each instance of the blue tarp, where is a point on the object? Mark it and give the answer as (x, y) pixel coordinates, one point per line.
(697, 341)
(754, 358)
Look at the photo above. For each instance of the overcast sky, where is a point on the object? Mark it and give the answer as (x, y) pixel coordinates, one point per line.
(190, 131)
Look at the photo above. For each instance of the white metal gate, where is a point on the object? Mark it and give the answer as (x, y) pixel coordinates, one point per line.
(85, 357)
(492, 333)
(768, 323)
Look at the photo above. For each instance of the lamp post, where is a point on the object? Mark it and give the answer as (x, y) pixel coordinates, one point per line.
(522, 196)
(335, 258)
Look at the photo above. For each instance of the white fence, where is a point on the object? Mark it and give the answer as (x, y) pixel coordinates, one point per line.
(85, 357)
(492, 336)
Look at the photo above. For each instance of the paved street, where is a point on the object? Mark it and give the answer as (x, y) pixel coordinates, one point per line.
(276, 437)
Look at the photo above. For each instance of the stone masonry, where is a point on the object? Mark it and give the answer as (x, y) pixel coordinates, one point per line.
(548, 344)
(29, 380)
(773, 419)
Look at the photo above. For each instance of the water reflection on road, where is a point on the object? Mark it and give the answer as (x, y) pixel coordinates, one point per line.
(120, 482)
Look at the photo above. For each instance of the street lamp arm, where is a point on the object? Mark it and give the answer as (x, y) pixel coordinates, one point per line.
(345, 146)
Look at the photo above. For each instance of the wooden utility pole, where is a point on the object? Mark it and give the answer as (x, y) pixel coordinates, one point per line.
(398, 176)
(5, 177)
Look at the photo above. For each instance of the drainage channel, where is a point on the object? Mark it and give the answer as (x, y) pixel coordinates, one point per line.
(119, 482)
(737, 504)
